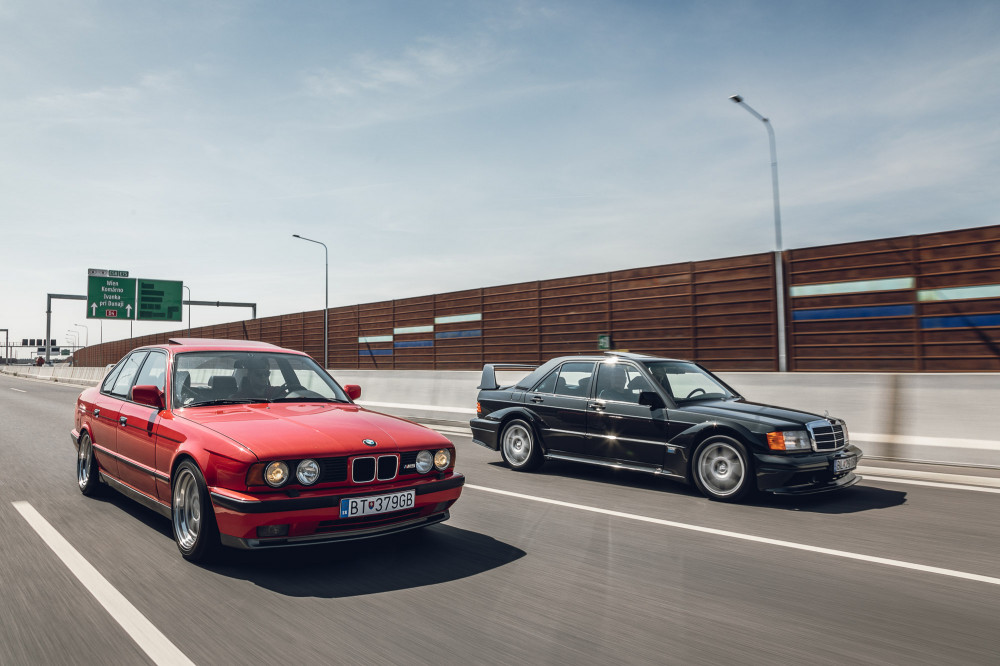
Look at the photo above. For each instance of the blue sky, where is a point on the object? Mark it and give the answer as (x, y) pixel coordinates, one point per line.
(441, 146)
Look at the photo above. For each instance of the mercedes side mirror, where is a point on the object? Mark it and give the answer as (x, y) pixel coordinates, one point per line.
(353, 391)
(652, 400)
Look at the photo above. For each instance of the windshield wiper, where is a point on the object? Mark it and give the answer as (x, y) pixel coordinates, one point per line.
(225, 401)
(307, 400)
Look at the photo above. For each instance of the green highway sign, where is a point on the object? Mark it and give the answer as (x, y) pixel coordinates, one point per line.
(159, 300)
(110, 297)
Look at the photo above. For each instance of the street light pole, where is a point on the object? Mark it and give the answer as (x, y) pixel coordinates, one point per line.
(189, 308)
(779, 272)
(326, 302)
(86, 337)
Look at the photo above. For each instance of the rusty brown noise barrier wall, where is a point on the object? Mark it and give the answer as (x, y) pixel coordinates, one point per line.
(926, 303)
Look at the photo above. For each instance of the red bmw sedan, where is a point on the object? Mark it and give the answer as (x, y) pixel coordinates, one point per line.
(249, 445)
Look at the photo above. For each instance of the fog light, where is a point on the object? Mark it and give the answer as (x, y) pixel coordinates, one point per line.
(272, 531)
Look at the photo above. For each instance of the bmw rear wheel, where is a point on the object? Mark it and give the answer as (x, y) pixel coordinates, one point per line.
(193, 519)
(519, 447)
(88, 474)
(722, 470)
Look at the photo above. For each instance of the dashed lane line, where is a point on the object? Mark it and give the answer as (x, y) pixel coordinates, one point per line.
(749, 537)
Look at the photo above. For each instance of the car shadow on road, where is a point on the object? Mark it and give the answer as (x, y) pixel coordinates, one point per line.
(849, 500)
(429, 556)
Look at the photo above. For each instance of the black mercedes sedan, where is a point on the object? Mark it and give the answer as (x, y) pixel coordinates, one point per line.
(663, 416)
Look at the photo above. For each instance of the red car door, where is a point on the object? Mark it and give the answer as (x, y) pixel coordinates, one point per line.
(136, 429)
(107, 412)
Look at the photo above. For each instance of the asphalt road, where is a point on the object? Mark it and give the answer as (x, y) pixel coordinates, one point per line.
(583, 566)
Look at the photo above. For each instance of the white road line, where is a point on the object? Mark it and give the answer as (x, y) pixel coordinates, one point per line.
(18, 390)
(135, 624)
(749, 537)
(933, 484)
(426, 408)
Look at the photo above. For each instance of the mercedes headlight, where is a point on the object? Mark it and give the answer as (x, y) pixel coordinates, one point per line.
(789, 440)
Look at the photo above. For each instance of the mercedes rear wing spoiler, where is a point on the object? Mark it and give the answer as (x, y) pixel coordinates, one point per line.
(489, 379)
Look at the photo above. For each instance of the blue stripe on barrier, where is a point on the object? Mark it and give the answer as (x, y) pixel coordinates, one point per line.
(474, 333)
(375, 352)
(961, 321)
(413, 343)
(854, 313)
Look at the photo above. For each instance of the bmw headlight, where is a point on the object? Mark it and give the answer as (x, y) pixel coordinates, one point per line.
(789, 440)
(276, 474)
(307, 472)
(425, 460)
(442, 459)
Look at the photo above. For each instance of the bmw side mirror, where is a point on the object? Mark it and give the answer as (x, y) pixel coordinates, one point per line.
(652, 400)
(149, 395)
(353, 391)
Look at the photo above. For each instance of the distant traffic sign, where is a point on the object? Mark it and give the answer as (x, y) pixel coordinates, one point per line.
(160, 300)
(110, 296)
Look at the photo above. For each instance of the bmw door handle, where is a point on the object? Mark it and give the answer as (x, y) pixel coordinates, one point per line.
(123, 420)
(597, 406)
(538, 399)
(97, 413)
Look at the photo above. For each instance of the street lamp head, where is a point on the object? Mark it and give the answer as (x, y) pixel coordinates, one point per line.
(736, 98)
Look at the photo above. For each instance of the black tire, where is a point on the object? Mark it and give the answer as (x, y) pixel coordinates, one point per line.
(723, 470)
(519, 446)
(192, 516)
(88, 473)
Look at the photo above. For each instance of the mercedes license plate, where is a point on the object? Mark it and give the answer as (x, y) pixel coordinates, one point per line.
(844, 464)
(353, 507)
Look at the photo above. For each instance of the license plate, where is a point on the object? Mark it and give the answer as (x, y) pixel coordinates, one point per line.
(844, 464)
(354, 507)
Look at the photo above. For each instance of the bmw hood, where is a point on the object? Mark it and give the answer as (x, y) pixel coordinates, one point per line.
(290, 430)
(752, 414)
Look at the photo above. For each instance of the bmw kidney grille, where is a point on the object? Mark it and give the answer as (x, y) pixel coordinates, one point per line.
(366, 469)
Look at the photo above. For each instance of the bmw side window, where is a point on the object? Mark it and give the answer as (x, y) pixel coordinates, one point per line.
(154, 371)
(129, 369)
(112, 377)
(547, 385)
(574, 379)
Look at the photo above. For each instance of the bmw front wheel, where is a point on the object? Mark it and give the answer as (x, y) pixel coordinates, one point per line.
(192, 517)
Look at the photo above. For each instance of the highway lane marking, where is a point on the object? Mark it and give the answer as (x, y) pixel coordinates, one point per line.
(749, 537)
(18, 390)
(135, 624)
(426, 408)
(933, 484)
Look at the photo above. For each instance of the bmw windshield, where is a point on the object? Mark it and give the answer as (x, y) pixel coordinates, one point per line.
(238, 377)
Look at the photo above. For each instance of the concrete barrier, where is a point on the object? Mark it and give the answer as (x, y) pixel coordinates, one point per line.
(943, 418)
(56, 373)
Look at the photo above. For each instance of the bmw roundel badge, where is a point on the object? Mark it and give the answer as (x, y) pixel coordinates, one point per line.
(369, 442)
